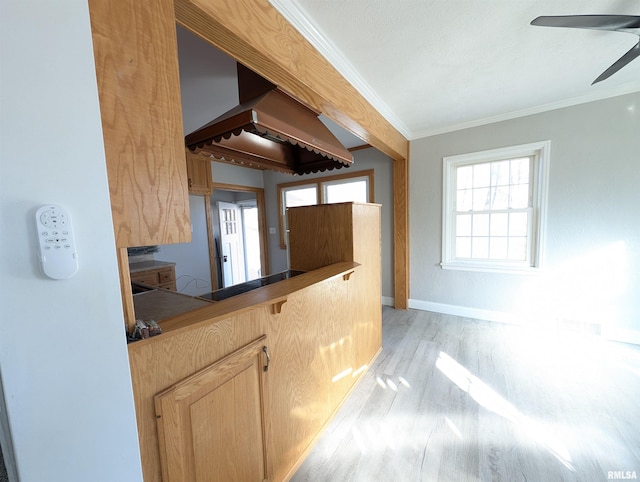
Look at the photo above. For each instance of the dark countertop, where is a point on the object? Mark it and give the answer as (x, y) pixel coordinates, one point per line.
(145, 265)
(160, 304)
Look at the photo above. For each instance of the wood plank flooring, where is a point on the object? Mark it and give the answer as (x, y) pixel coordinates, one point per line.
(456, 399)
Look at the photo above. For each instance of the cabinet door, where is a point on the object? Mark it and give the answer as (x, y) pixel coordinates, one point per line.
(199, 175)
(211, 425)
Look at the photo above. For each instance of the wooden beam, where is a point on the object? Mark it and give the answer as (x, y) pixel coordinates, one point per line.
(254, 33)
(401, 233)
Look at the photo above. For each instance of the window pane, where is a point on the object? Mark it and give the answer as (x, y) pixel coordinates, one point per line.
(356, 191)
(500, 173)
(463, 225)
(500, 197)
(480, 225)
(517, 249)
(520, 170)
(519, 196)
(480, 248)
(305, 196)
(482, 175)
(518, 224)
(481, 201)
(498, 248)
(499, 224)
(463, 247)
(464, 200)
(464, 177)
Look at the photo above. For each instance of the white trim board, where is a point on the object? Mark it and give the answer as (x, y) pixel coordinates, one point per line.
(612, 334)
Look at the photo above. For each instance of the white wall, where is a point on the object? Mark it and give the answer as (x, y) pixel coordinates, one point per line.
(236, 175)
(383, 176)
(592, 253)
(63, 355)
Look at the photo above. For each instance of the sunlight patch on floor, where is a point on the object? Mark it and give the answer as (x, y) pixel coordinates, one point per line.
(489, 399)
(453, 428)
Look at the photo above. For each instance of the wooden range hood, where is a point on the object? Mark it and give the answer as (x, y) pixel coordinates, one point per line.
(269, 130)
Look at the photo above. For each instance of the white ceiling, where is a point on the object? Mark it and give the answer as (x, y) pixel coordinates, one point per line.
(432, 66)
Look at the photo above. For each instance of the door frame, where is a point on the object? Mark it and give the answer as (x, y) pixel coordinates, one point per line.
(262, 228)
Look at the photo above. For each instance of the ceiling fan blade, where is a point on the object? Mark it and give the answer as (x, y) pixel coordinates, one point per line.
(618, 64)
(596, 22)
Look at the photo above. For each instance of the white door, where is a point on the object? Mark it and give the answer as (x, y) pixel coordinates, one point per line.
(231, 244)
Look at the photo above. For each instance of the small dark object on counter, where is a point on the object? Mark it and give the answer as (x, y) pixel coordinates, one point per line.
(144, 329)
(154, 328)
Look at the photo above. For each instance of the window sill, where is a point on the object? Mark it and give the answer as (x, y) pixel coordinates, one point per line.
(491, 268)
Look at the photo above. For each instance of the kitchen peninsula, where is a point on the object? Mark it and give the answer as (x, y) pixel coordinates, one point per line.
(241, 388)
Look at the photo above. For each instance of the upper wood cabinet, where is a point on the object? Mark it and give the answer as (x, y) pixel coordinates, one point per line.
(199, 175)
(211, 425)
(136, 57)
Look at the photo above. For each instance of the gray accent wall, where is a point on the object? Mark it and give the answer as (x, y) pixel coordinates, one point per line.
(590, 277)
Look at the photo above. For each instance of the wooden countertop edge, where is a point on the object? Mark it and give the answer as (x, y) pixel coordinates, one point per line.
(265, 295)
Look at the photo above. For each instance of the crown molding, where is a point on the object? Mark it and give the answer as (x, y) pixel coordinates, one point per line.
(624, 89)
(301, 21)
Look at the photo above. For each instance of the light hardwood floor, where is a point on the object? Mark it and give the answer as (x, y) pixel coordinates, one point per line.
(456, 399)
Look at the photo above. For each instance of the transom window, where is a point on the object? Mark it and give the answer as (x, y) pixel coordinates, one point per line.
(494, 206)
(351, 187)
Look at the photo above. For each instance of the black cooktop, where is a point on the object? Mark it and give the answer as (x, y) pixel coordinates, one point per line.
(228, 292)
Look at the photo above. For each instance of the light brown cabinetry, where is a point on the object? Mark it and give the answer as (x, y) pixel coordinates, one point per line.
(211, 425)
(136, 57)
(161, 277)
(328, 233)
(199, 175)
(324, 330)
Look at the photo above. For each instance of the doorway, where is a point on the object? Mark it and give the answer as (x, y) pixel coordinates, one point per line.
(238, 242)
(238, 235)
(230, 245)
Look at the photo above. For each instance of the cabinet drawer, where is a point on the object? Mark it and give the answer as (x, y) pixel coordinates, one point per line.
(171, 285)
(157, 277)
(166, 276)
(145, 277)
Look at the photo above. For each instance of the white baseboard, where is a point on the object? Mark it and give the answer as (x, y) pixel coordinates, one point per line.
(613, 334)
(388, 301)
(468, 312)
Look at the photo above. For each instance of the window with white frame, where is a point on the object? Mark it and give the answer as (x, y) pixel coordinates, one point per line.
(494, 208)
(351, 187)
